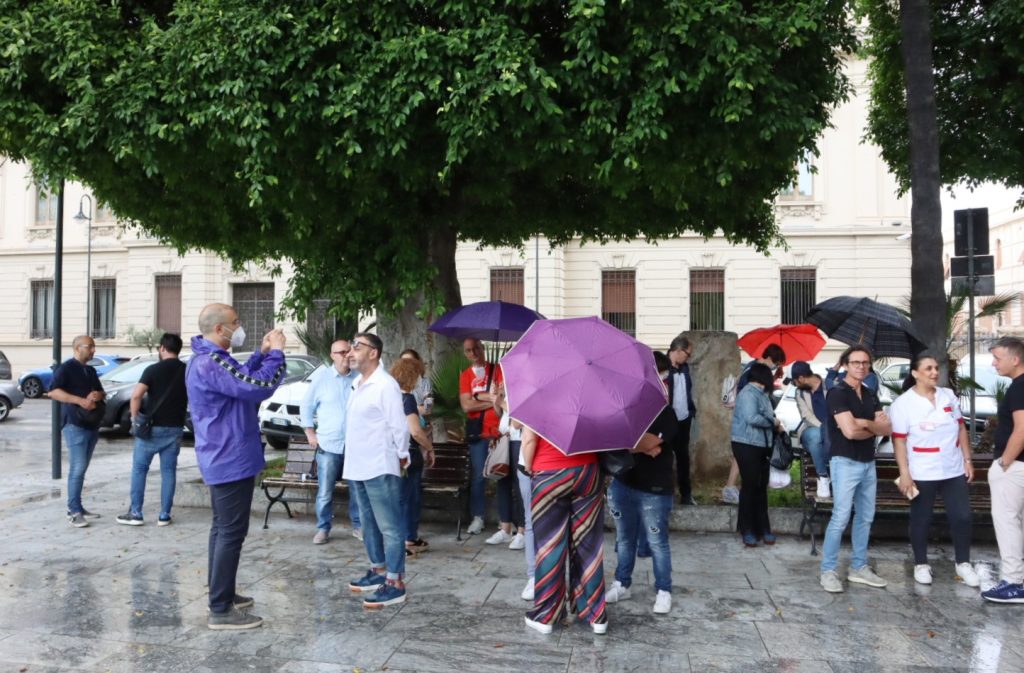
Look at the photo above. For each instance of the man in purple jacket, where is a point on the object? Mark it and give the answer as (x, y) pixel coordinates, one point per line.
(223, 397)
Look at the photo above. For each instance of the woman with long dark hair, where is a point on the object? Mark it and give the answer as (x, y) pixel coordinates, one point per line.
(752, 436)
(933, 451)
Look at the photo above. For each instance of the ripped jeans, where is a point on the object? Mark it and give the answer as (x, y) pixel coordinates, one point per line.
(633, 511)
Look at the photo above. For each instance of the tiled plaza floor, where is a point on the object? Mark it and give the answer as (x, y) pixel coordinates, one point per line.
(115, 598)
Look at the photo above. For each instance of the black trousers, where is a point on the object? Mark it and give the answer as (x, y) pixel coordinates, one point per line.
(956, 498)
(232, 505)
(681, 449)
(752, 516)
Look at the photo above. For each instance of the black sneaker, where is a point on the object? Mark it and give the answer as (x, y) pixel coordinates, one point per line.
(129, 519)
(242, 602)
(232, 620)
(89, 515)
(164, 520)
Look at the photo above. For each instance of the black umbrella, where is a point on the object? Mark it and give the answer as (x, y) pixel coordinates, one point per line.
(859, 320)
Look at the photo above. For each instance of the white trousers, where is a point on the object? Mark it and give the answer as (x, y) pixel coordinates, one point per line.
(1008, 518)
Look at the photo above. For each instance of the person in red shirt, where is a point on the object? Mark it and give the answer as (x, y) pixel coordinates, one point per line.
(476, 395)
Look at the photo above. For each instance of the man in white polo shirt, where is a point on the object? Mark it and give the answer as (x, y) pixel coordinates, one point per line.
(377, 449)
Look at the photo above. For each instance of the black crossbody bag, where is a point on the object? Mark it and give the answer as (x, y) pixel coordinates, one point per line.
(142, 423)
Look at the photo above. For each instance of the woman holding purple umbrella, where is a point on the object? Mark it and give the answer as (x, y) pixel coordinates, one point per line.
(568, 525)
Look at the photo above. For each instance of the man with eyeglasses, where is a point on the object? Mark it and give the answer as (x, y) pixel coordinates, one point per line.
(855, 419)
(680, 398)
(223, 396)
(376, 453)
(323, 414)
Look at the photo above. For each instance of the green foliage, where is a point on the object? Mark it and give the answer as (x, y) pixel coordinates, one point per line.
(360, 139)
(145, 338)
(317, 341)
(978, 59)
(955, 310)
(445, 381)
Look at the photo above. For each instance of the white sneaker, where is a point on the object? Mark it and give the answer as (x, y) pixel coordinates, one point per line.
(616, 593)
(518, 541)
(824, 493)
(600, 628)
(527, 594)
(923, 573)
(476, 526)
(537, 626)
(663, 603)
(731, 495)
(501, 537)
(965, 572)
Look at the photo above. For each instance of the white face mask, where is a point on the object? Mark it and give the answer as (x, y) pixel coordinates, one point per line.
(238, 337)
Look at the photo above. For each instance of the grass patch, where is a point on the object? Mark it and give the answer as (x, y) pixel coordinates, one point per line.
(710, 493)
(274, 468)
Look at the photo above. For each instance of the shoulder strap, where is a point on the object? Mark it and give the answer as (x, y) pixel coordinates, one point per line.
(160, 402)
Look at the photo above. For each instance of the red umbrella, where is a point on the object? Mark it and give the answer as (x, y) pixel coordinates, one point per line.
(801, 342)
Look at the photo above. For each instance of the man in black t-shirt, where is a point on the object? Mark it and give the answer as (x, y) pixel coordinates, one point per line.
(855, 418)
(77, 387)
(166, 399)
(1006, 476)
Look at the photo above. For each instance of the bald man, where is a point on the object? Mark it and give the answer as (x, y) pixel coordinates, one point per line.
(223, 397)
(77, 387)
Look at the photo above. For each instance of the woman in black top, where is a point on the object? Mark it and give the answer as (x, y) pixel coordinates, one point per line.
(421, 453)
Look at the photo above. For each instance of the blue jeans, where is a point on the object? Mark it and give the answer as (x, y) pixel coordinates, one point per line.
(811, 439)
(412, 502)
(80, 442)
(526, 492)
(477, 482)
(165, 442)
(853, 489)
(329, 466)
(510, 507)
(635, 511)
(380, 505)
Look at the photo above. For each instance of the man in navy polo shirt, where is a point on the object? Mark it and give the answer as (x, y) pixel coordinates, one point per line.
(77, 387)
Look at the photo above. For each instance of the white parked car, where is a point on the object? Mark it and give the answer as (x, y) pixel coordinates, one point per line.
(787, 411)
(279, 414)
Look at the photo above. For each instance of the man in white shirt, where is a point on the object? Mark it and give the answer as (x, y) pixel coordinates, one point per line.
(376, 452)
(323, 414)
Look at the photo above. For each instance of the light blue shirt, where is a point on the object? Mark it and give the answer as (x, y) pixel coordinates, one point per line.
(324, 406)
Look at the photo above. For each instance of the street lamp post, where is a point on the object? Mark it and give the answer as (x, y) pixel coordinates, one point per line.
(84, 216)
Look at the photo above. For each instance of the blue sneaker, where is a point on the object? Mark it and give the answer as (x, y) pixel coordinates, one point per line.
(1004, 592)
(749, 540)
(371, 581)
(769, 538)
(387, 594)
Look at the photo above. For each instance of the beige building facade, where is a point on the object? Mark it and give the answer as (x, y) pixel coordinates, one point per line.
(842, 221)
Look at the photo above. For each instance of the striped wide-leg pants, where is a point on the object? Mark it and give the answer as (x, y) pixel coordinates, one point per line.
(568, 524)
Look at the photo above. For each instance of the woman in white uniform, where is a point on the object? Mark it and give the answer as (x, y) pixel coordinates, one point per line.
(934, 455)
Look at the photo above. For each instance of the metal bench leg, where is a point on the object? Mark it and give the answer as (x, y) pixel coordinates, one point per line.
(458, 518)
(272, 501)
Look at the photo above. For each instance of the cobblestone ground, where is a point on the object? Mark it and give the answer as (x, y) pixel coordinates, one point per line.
(118, 598)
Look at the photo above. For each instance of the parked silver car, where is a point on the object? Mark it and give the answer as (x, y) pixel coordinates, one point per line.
(10, 398)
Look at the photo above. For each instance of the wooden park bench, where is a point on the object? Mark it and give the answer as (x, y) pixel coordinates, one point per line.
(889, 502)
(448, 477)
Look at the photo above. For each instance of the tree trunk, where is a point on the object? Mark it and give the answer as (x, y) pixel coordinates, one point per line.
(927, 300)
(406, 329)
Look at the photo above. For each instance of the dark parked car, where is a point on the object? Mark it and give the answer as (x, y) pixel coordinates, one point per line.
(5, 367)
(120, 382)
(35, 382)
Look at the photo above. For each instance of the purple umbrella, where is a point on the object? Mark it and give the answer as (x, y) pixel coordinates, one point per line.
(583, 385)
(487, 321)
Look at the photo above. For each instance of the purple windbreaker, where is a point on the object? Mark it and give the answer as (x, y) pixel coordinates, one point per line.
(224, 397)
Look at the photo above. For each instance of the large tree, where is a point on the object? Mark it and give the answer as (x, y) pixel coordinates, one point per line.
(947, 107)
(362, 140)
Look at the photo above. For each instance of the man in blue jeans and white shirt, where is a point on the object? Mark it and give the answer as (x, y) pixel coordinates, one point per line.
(855, 419)
(377, 450)
(323, 412)
(77, 387)
(163, 386)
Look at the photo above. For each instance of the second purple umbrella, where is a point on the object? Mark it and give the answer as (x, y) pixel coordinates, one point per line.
(487, 321)
(583, 385)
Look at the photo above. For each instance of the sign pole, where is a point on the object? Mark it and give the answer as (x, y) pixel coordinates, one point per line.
(970, 317)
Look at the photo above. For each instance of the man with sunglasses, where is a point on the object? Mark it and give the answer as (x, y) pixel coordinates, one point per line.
(323, 414)
(376, 452)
